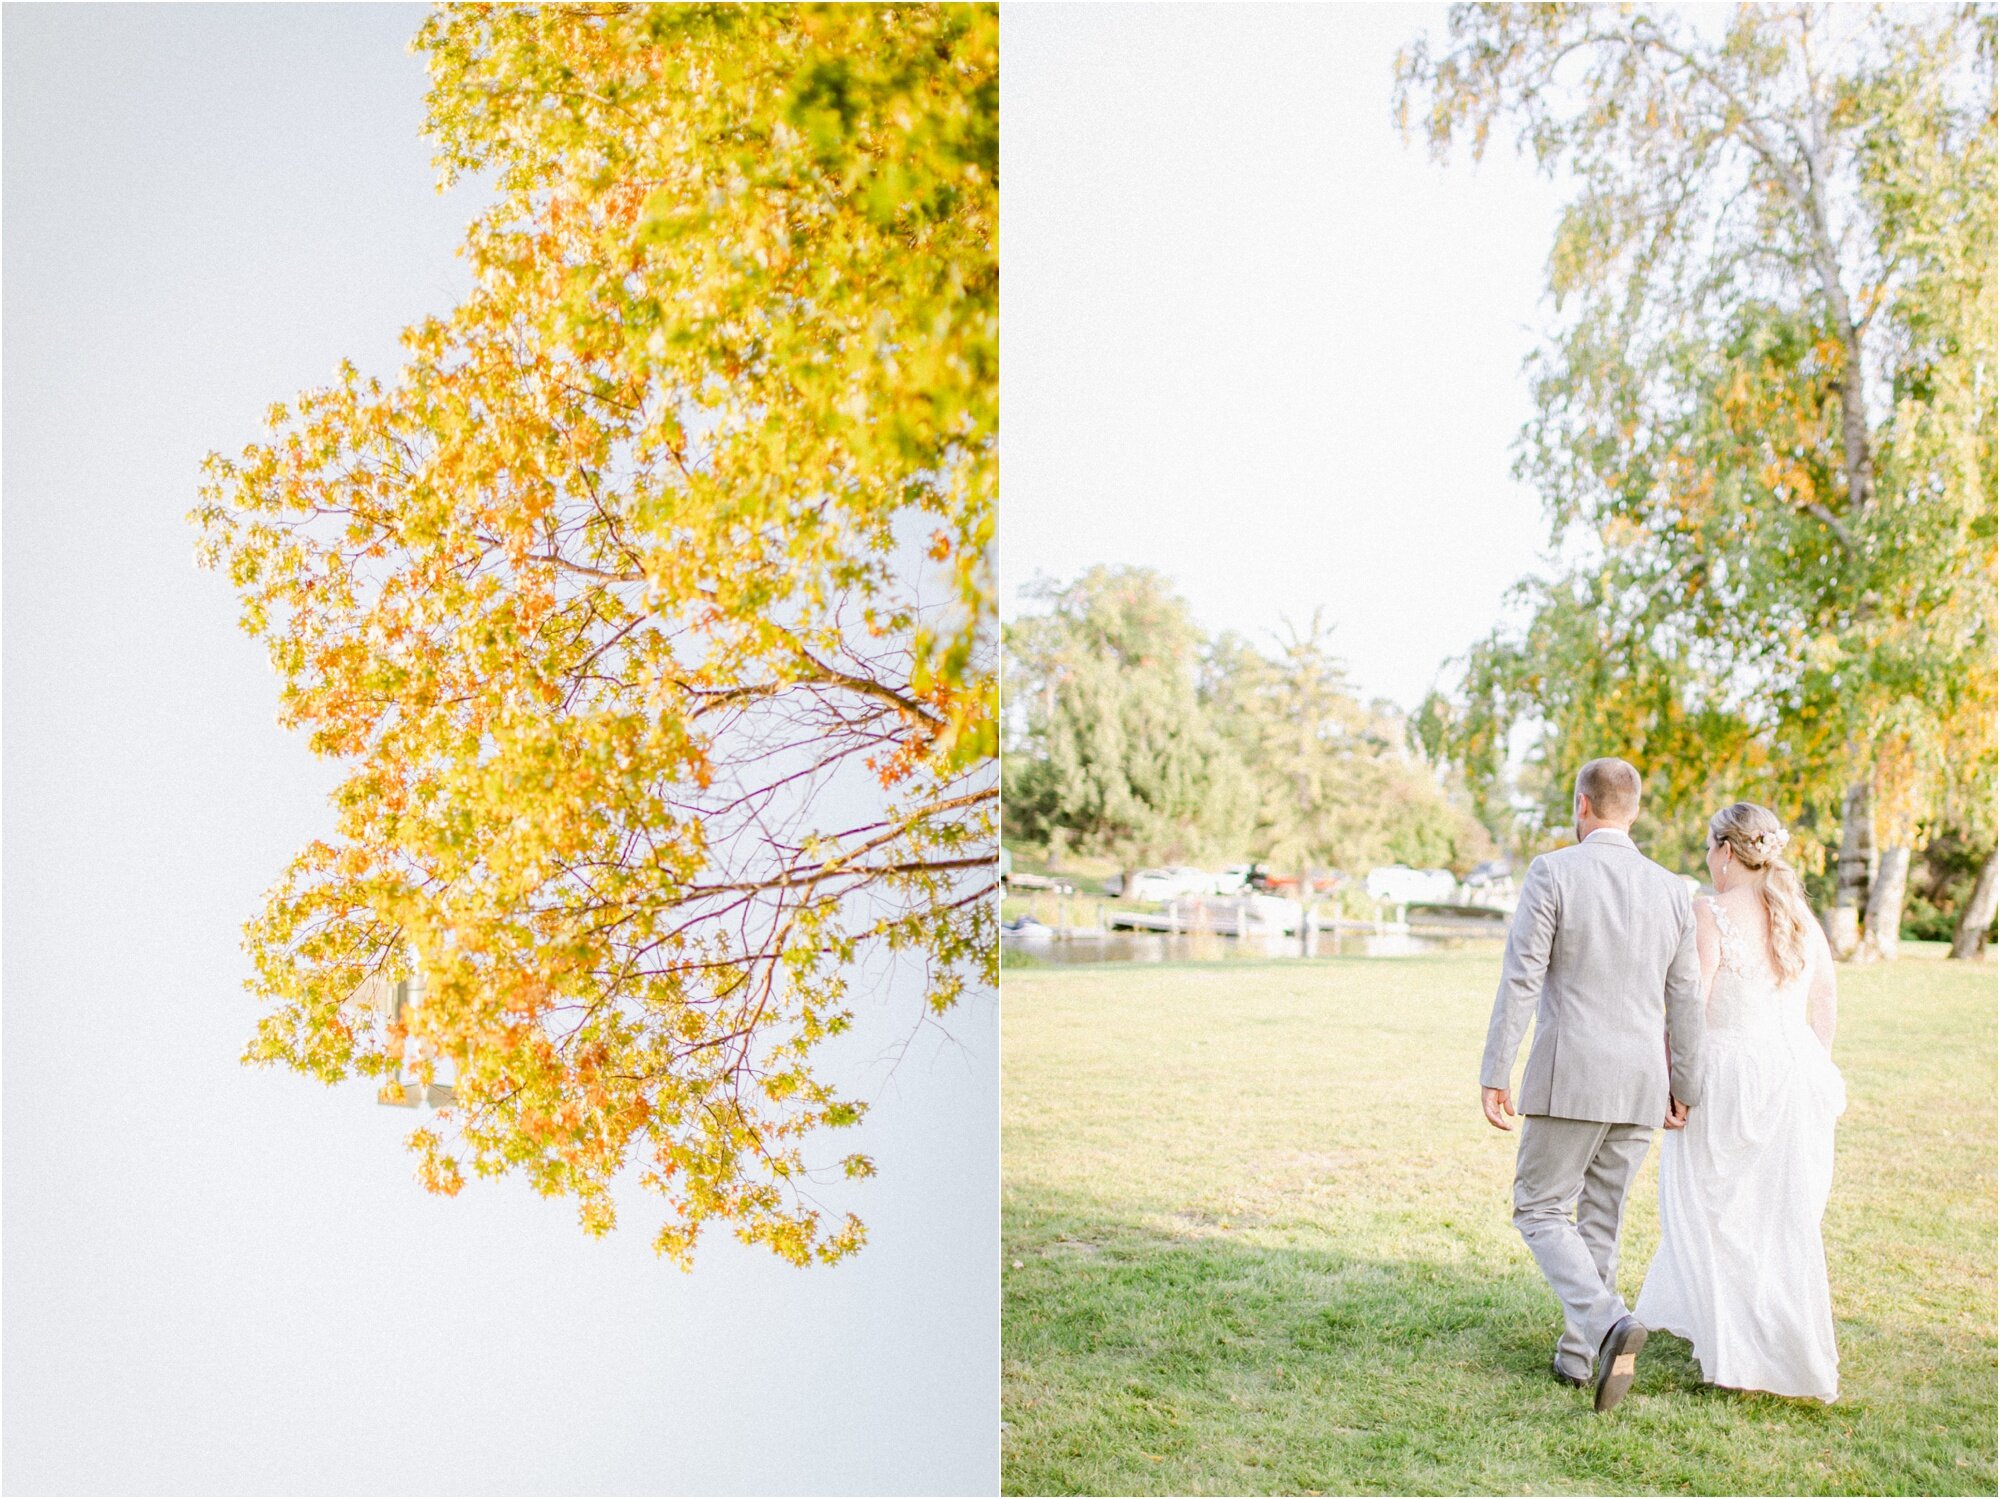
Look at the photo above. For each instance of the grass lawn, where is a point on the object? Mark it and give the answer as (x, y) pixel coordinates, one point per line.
(1257, 1240)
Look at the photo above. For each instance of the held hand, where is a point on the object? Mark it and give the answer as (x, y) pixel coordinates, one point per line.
(1497, 1101)
(1677, 1114)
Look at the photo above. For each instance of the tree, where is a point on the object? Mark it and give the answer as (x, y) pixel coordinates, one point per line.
(650, 605)
(1593, 682)
(1968, 940)
(1116, 755)
(1140, 739)
(1296, 725)
(1765, 428)
(1336, 787)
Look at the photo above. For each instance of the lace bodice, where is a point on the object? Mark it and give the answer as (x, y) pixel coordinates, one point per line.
(1747, 994)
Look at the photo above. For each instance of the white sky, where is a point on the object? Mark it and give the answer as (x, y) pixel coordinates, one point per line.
(223, 1280)
(1253, 340)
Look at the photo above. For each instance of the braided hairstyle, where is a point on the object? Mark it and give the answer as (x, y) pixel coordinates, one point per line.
(1757, 840)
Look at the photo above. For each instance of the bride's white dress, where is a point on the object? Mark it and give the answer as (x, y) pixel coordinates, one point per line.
(1741, 1269)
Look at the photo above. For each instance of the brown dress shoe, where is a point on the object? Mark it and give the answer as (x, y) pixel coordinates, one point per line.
(1617, 1361)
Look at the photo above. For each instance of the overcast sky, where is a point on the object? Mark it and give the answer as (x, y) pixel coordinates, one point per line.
(1252, 339)
(224, 1280)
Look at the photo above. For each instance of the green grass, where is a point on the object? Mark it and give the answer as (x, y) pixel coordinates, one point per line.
(1257, 1240)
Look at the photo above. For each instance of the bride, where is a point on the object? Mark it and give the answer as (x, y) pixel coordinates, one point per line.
(1741, 1270)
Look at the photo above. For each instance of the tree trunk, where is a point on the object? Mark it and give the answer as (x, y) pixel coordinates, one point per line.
(1969, 941)
(1884, 924)
(1854, 873)
(1305, 910)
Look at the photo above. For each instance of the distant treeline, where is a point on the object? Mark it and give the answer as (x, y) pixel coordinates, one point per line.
(1133, 735)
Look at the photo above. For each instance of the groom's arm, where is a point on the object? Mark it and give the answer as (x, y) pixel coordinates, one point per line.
(1687, 1020)
(1529, 941)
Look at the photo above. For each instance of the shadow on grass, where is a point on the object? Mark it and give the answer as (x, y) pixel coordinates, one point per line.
(1141, 1359)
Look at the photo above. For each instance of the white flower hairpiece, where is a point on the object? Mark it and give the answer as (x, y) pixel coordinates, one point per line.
(1769, 843)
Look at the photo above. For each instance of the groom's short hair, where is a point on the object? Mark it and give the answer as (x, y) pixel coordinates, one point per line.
(1612, 786)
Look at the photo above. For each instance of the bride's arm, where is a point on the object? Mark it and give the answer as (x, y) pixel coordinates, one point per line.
(1820, 998)
(1708, 955)
(1707, 944)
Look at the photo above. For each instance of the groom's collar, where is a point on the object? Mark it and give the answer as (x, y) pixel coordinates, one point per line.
(1609, 835)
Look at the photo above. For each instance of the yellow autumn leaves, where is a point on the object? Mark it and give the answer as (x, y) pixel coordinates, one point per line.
(650, 604)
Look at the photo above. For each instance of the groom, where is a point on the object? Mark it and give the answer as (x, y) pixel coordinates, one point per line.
(1602, 957)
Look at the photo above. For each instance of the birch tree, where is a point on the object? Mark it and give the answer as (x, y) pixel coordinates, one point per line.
(1765, 422)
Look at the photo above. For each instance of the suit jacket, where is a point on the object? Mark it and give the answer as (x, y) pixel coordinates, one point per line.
(1601, 956)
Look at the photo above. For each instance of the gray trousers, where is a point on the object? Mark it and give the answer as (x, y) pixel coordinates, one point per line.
(1580, 1166)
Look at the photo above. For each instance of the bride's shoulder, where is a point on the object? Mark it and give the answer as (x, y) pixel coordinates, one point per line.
(1707, 935)
(1724, 921)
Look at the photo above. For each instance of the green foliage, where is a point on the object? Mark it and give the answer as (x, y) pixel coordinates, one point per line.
(1337, 787)
(1144, 742)
(1941, 881)
(1765, 422)
(1116, 756)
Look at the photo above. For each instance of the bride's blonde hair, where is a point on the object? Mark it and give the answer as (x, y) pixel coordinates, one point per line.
(1757, 840)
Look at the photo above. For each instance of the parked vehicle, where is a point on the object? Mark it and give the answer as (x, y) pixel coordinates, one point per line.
(1492, 885)
(1263, 877)
(1400, 885)
(1233, 879)
(1150, 885)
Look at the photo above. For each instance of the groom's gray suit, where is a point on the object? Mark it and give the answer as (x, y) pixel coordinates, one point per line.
(1601, 956)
